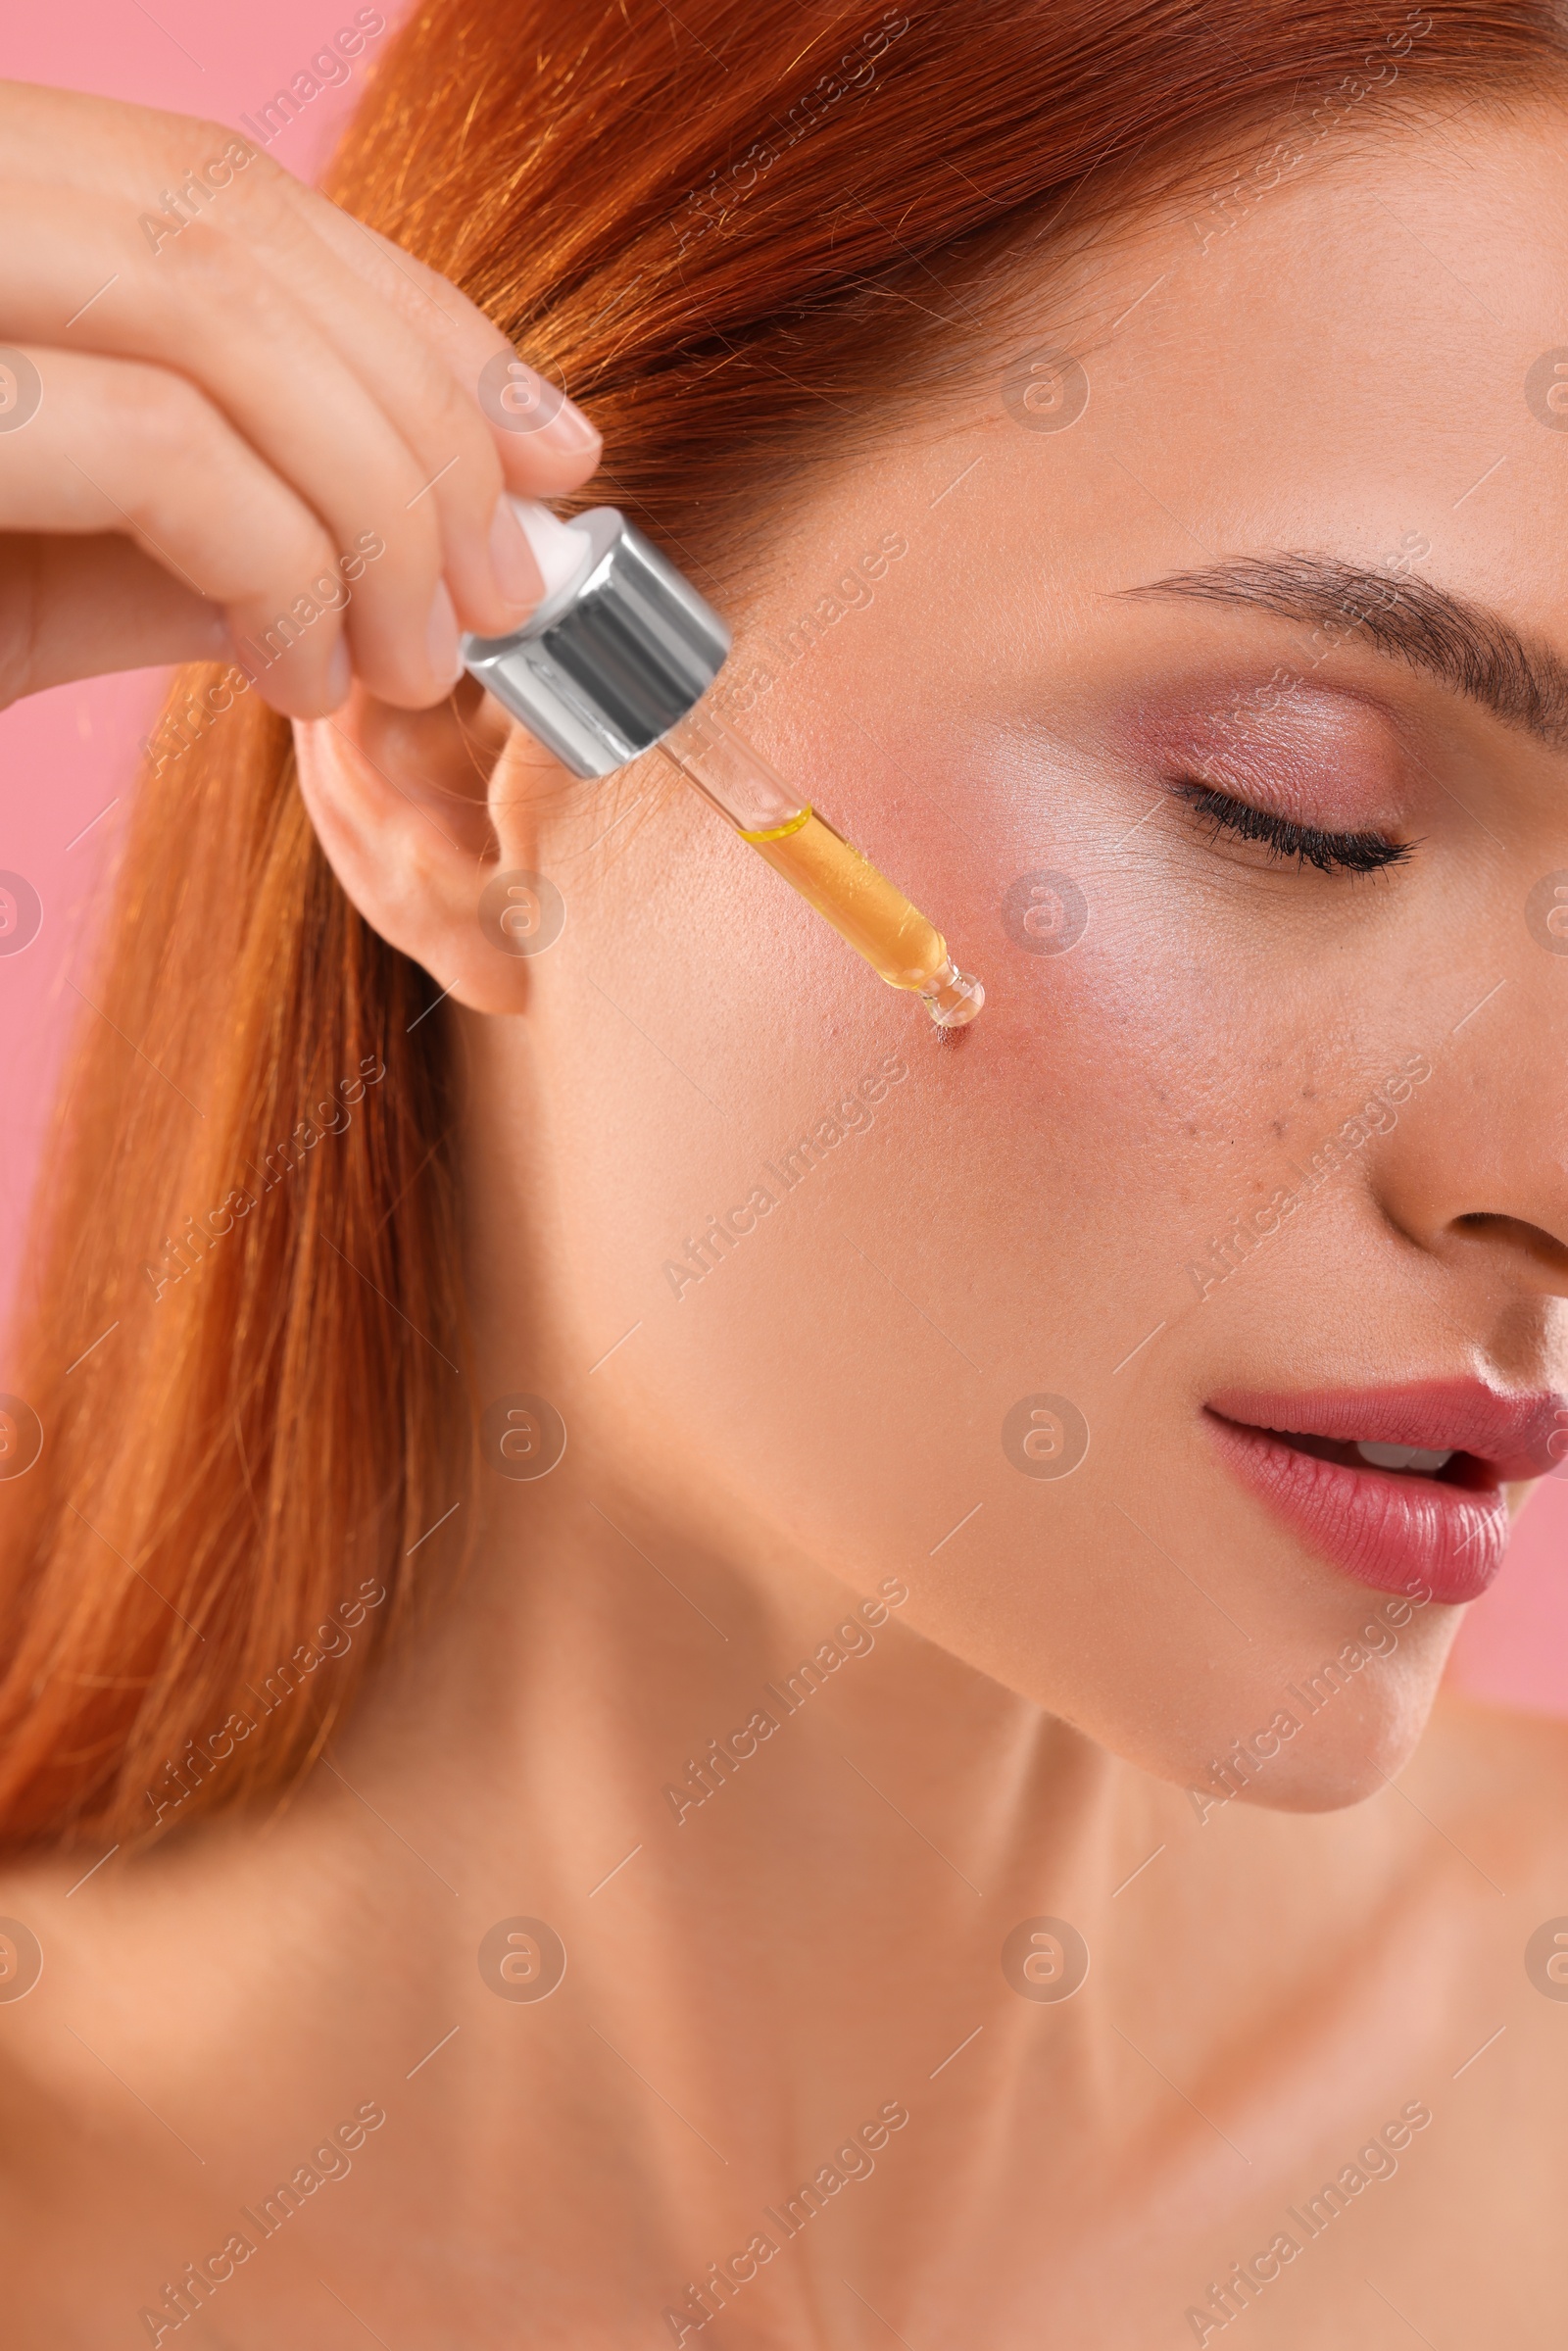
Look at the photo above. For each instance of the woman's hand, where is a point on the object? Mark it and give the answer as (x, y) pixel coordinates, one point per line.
(235, 423)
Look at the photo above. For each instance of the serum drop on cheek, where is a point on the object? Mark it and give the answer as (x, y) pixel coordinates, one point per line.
(616, 660)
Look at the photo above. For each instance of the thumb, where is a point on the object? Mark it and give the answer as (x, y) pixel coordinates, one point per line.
(80, 606)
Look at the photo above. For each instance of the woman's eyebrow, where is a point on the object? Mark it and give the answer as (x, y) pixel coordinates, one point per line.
(1466, 647)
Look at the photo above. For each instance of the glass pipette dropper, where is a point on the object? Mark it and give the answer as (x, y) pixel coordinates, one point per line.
(846, 888)
(617, 660)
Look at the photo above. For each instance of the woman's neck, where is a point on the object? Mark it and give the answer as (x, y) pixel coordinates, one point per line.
(803, 1864)
(841, 1976)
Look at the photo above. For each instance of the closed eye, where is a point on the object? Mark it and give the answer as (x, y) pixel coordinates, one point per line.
(1307, 844)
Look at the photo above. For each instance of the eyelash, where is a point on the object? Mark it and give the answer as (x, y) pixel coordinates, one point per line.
(1307, 844)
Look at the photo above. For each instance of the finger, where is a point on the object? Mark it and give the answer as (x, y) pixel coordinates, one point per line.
(491, 576)
(81, 607)
(438, 366)
(166, 467)
(353, 280)
(547, 445)
(256, 354)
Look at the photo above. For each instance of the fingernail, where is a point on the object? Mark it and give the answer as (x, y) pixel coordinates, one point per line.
(512, 558)
(519, 399)
(441, 638)
(339, 675)
(568, 430)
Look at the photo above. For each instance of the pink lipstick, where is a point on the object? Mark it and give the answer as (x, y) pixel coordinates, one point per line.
(1401, 1487)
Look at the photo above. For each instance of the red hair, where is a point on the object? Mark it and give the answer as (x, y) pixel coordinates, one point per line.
(733, 233)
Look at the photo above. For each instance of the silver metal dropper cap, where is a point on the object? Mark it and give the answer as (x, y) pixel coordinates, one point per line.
(613, 657)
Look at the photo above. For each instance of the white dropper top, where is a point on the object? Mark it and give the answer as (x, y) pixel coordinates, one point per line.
(561, 550)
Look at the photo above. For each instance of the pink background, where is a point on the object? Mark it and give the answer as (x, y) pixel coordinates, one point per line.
(67, 758)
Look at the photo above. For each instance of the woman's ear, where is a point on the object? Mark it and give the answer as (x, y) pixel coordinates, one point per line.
(418, 812)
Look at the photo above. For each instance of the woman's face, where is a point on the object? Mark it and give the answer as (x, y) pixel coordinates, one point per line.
(1237, 1142)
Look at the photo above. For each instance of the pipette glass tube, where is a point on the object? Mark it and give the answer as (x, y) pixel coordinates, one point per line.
(847, 890)
(619, 659)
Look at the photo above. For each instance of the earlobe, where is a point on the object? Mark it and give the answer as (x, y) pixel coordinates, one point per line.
(416, 811)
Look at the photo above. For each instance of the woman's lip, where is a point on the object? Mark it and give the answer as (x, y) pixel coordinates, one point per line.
(1516, 1436)
(1391, 1531)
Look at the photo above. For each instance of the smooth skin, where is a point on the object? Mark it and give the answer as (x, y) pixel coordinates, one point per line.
(1278, 1982)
